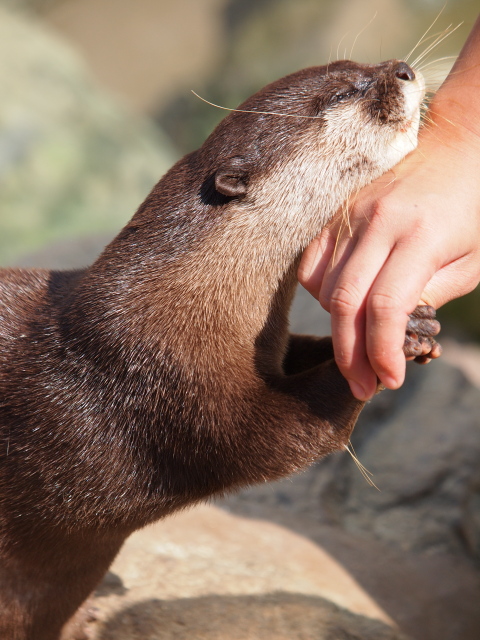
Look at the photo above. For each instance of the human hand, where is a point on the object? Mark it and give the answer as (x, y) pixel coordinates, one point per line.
(413, 238)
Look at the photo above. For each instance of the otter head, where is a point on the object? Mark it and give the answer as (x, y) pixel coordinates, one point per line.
(296, 150)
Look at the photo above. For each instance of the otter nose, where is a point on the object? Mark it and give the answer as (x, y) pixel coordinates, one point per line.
(404, 72)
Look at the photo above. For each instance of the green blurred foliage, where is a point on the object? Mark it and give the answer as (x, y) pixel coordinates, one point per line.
(33, 6)
(462, 316)
(72, 161)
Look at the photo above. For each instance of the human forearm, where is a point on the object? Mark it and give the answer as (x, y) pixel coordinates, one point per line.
(457, 102)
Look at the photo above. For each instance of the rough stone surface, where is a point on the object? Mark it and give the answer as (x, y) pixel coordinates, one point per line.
(207, 574)
(429, 596)
(425, 459)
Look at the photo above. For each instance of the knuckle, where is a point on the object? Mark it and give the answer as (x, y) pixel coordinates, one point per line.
(385, 303)
(382, 207)
(382, 212)
(469, 284)
(345, 301)
(380, 227)
(371, 204)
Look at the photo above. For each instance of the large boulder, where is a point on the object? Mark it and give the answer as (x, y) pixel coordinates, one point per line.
(206, 574)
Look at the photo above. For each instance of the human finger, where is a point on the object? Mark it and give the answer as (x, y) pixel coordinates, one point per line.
(315, 260)
(457, 278)
(394, 294)
(347, 291)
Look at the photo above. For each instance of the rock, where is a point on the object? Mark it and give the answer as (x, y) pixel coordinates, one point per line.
(425, 460)
(464, 356)
(206, 574)
(72, 161)
(430, 597)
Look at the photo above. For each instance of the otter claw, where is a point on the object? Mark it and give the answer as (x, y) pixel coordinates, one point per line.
(419, 342)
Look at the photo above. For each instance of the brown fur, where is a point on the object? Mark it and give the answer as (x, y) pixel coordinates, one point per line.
(164, 373)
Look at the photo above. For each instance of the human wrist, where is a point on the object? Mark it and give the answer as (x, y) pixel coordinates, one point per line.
(456, 104)
(452, 118)
(452, 131)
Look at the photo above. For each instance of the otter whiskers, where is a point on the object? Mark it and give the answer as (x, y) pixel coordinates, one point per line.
(268, 113)
(423, 37)
(360, 33)
(439, 39)
(264, 113)
(368, 475)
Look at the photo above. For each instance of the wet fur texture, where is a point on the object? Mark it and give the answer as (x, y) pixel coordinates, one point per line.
(164, 373)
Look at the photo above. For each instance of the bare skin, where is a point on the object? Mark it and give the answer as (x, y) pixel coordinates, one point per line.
(414, 238)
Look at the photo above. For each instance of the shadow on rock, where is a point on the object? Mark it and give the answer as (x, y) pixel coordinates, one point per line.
(277, 616)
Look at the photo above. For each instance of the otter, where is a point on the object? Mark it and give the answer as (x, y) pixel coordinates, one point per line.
(164, 373)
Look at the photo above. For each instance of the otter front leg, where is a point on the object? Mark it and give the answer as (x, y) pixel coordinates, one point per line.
(306, 352)
(319, 395)
(301, 417)
(44, 579)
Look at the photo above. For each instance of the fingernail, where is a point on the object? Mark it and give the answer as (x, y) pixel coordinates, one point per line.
(357, 390)
(391, 383)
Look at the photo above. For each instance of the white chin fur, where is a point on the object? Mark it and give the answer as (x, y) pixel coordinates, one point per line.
(414, 93)
(405, 140)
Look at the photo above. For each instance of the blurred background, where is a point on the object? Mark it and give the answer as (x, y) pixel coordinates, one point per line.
(96, 100)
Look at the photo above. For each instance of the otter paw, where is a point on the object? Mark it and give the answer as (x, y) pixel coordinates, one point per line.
(420, 344)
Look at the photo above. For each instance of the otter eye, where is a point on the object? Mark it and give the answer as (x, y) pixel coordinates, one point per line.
(341, 96)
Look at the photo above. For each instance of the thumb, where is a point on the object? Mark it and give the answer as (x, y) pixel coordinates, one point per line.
(452, 281)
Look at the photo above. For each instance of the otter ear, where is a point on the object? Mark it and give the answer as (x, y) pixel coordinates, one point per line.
(231, 178)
